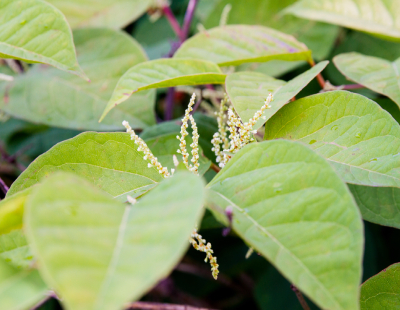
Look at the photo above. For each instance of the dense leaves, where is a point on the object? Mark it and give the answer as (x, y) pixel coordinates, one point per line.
(51, 97)
(290, 206)
(106, 260)
(34, 31)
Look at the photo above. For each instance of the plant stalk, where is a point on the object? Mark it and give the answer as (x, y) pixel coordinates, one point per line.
(160, 306)
(300, 297)
(320, 79)
(188, 19)
(3, 186)
(173, 21)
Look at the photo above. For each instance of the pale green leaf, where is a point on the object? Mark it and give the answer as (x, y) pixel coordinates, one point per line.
(378, 17)
(291, 207)
(108, 160)
(13, 245)
(248, 91)
(19, 290)
(98, 253)
(318, 37)
(101, 13)
(237, 44)
(49, 96)
(382, 291)
(165, 72)
(375, 73)
(35, 31)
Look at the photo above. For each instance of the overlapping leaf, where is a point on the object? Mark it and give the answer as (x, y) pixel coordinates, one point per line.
(360, 139)
(108, 160)
(35, 31)
(19, 290)
(100, 254)
(13, 245)
(290, 206)
(164, 73)
(248, 91)
(101, 13)
(379, 17)
(237, 44)
(381, 292)
(375, 73)
(48, 96)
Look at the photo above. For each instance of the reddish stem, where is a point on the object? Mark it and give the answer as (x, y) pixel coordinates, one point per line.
(320, 79)
(173, 22)
(300, 297)
(3, 186)
(215, 168)
(160, 306)
(188, 19)
(352, 86)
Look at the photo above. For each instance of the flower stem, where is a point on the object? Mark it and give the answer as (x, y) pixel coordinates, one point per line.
(320, 79)
(188, 18)
(300, 297)
(173, 21)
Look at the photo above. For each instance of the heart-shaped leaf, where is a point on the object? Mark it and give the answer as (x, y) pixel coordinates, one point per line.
(108, 160)
(248, 91)
(101, 13)
(13, 245)
(237, 44)
(19, 289)
(358, 137)
(35, 31)
(379, 17)
(51, 97)
(165, 72)
(98, 253)
(381, 292)
(290, 206)
(375, 73)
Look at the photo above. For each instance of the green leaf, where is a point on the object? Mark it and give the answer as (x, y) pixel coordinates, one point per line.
(102, 13)
(381, 292)
(13, 245)
(380, 205)
(248, 91)
(98, 253)
(290, 206)
(318, 37)
(48, 96)
(19, 290)
(359, 138)
(35, 31)
(108, 160)
(165, 72)
(378, 17)
(237, 44)
(375, 73)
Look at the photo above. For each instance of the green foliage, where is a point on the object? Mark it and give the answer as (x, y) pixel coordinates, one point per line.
(86, 258)
(290, 206)
(382, 291)
(34, 31)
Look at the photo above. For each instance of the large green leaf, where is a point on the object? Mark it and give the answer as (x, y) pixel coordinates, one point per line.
(375, 73)
(165, 72)
(248, 91)
(100, 254)
(379, 17)
(319, 37)
(290, 206)
(48, 96)
(101, 13)
(109, 160)
(35, 31)
(19, 290)
(13, 245)
(359, 138)
(237, 44)
(382, 291)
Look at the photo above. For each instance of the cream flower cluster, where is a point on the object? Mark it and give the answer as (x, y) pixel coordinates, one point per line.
(220, 137)
(240, 134)
(200, 245)
(148, 155)
(195, 144)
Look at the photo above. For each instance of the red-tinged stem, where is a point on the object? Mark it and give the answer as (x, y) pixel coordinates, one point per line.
(161, 306)
(173, 22)
(3, 186)
(215, 168)
(320, 79)
(300, 297)
(188, 18)
(352, 86)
